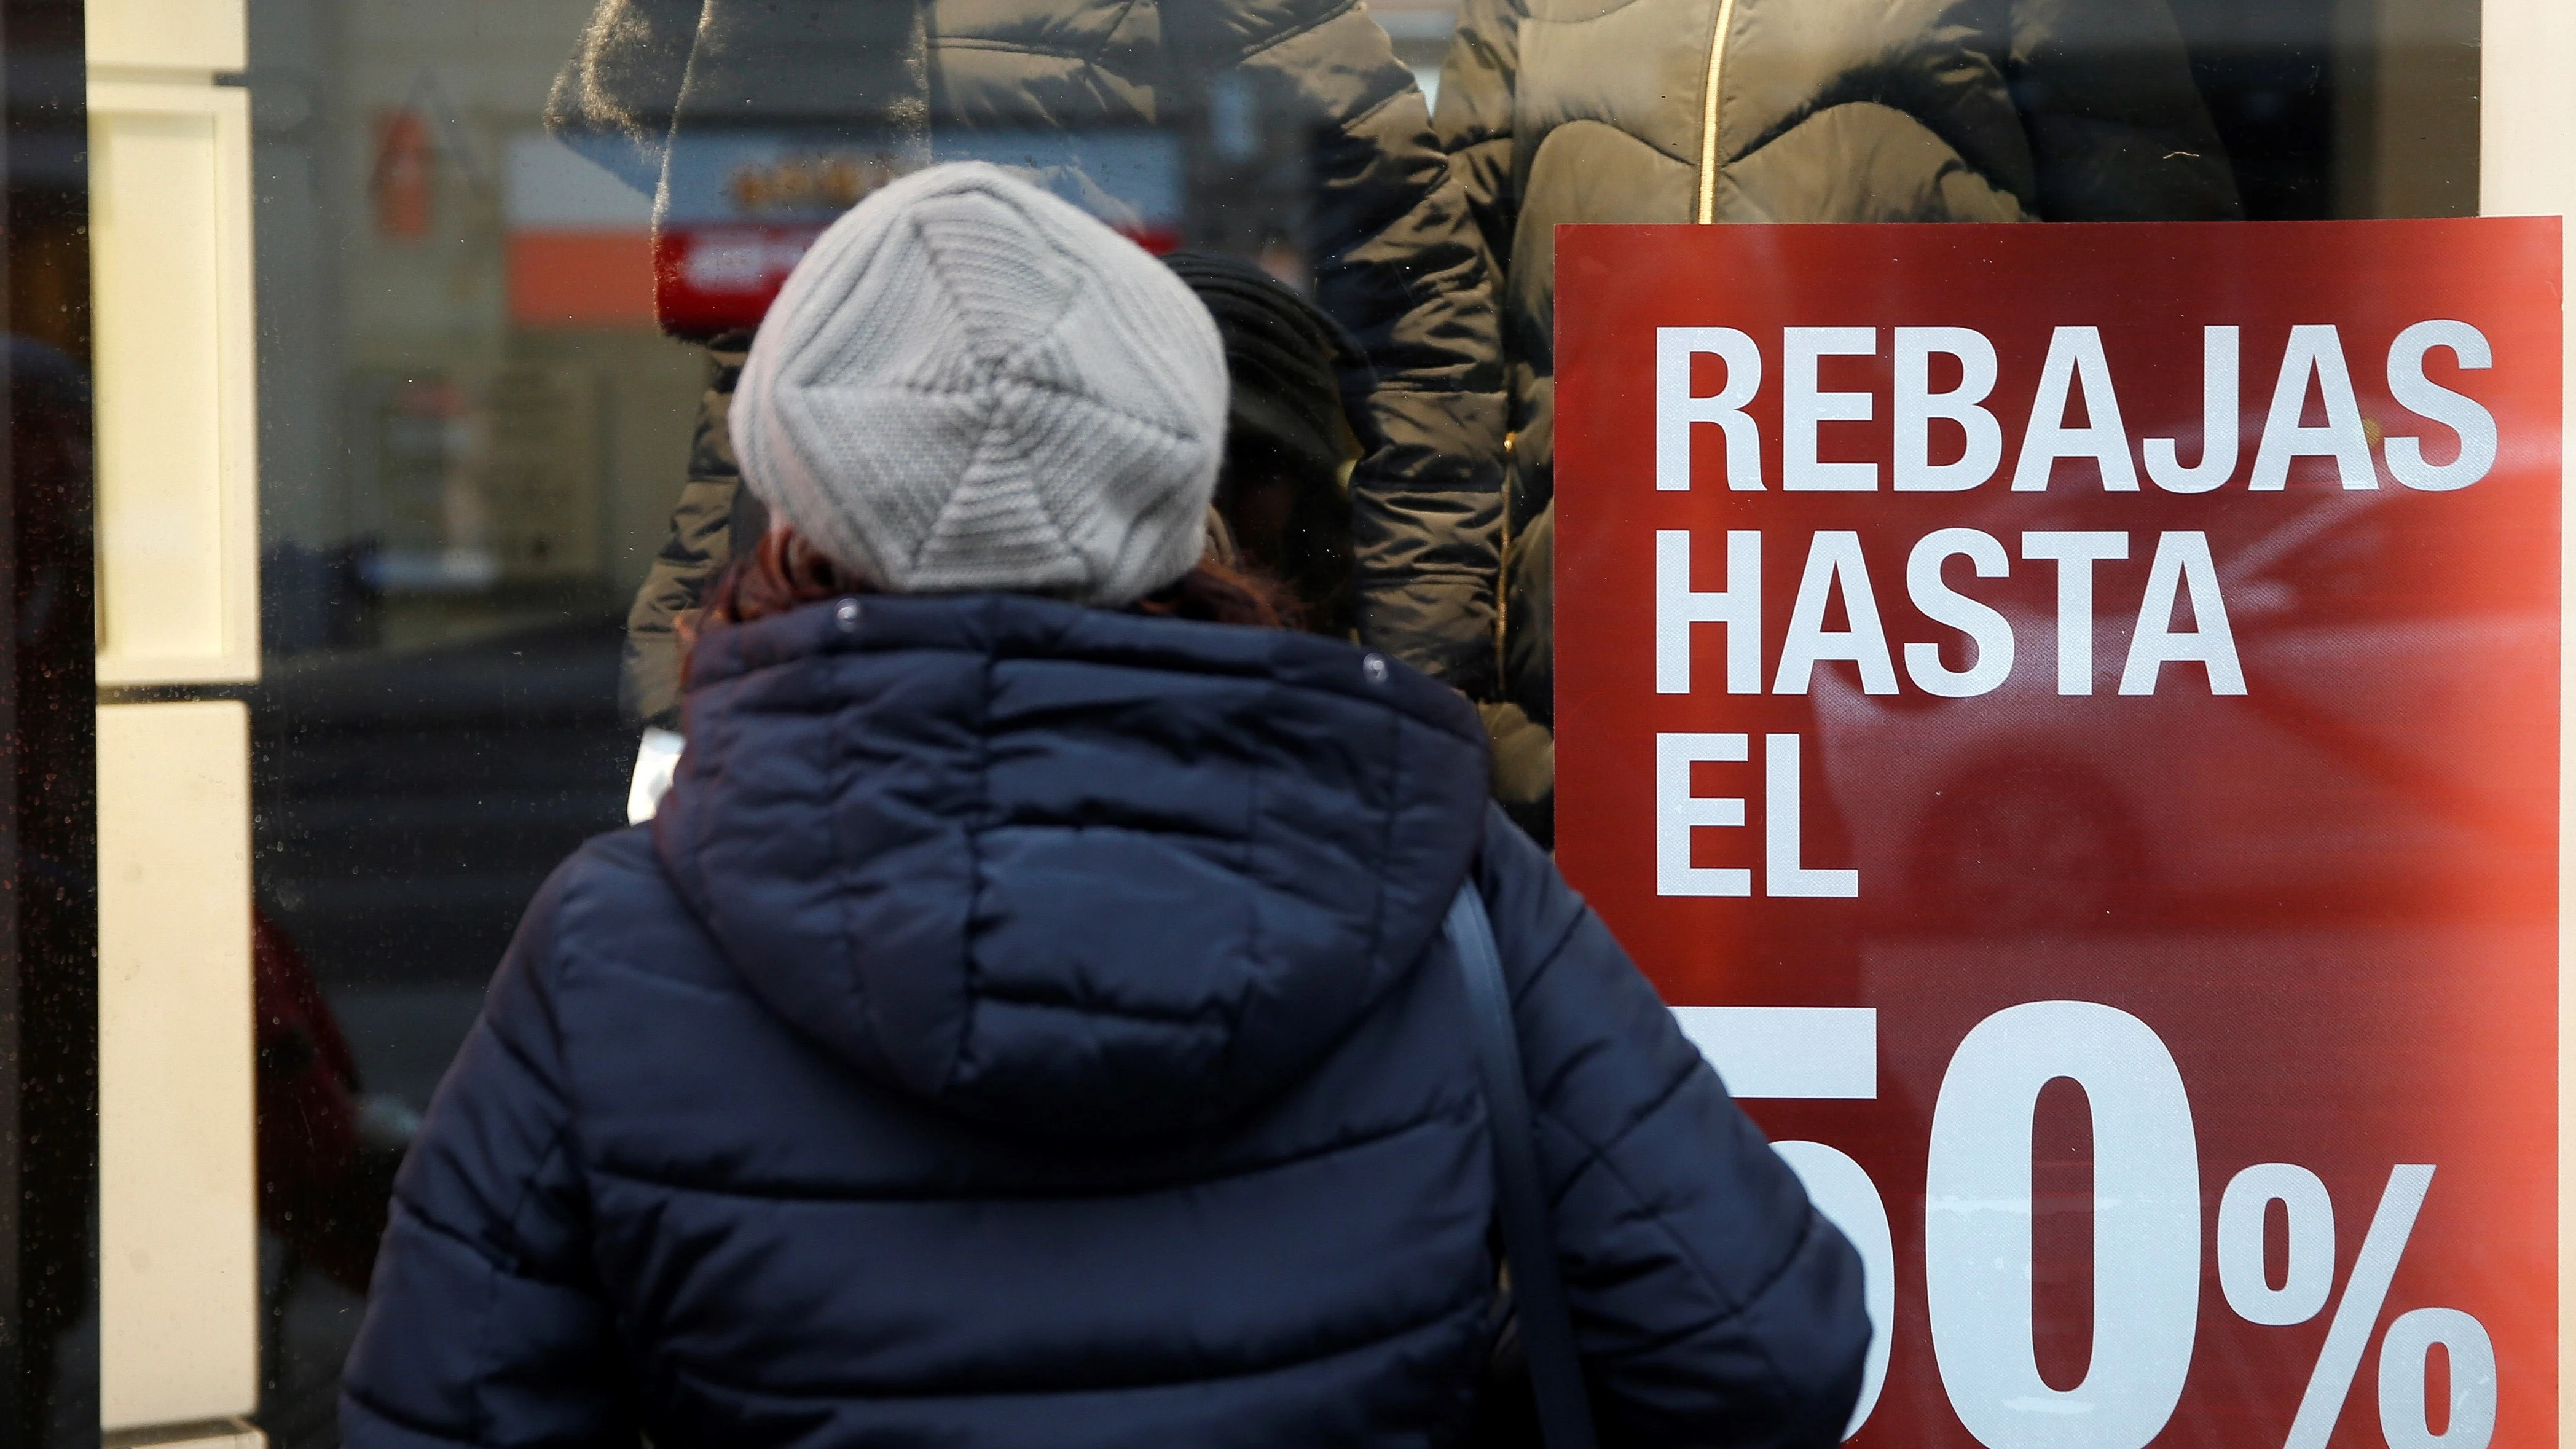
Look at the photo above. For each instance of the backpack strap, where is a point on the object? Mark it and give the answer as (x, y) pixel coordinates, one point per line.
(1529, 1244)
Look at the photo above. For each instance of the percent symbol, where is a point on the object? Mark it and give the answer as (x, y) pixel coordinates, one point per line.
(2407, 1347)
(2364, 1294)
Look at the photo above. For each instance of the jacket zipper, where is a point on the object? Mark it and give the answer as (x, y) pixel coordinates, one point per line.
(1708, 113)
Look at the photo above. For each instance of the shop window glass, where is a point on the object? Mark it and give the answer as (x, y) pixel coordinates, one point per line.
(484, 365)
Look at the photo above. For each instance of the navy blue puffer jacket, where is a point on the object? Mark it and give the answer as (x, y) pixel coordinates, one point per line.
(1029, 1025)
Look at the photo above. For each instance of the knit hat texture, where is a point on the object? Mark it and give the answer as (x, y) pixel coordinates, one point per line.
(968, 383)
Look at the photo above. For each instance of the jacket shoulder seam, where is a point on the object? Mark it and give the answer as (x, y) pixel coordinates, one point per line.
(1344, 7)
(432, 1224)
(1734, 1307)
(1601, 1150)
(957, 1390)
(495, 1269)
(1109, 32)
(358, 1394)
(1449, 1109)
(1009, 47)
(1438, 389)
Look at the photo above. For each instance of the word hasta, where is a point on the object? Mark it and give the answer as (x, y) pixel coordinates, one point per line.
(2076, 368)
(2182, 570)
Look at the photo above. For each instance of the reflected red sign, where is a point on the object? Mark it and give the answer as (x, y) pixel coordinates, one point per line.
(740, 207)
(2069, 717)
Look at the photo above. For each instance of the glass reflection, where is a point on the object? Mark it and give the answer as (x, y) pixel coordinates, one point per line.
(509, 257)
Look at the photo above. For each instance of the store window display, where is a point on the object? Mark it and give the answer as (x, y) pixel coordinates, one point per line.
(511, 255)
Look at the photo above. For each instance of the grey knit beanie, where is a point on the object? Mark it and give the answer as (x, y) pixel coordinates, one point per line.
(970, 384)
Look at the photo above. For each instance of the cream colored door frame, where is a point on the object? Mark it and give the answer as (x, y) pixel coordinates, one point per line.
(2527, 167)
(178, 605)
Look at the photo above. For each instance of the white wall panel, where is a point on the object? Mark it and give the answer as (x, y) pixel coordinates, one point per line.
(178, 548)
(2527, 167)
(203, 35)
(177, 427)
(178, 1189)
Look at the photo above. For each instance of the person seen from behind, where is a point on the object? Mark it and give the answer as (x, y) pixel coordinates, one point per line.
(1292, 436)
(1294, 430)
(1282, 505)
(1027, 1020)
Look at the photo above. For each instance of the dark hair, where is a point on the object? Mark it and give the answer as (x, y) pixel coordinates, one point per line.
(1297, 414)
(783, 571)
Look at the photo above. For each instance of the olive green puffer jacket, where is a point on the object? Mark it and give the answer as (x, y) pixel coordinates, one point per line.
(1789, 111)
(1395, 256)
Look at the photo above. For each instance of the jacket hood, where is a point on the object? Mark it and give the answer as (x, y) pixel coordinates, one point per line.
(1069, 872)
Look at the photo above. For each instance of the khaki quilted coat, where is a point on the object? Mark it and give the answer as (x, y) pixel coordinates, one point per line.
(1395, 255)
(1790, 111)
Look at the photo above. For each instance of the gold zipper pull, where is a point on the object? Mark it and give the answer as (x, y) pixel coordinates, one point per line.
(1708, 113)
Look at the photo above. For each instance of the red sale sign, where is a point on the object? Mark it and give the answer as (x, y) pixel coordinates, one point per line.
(2069, 717)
